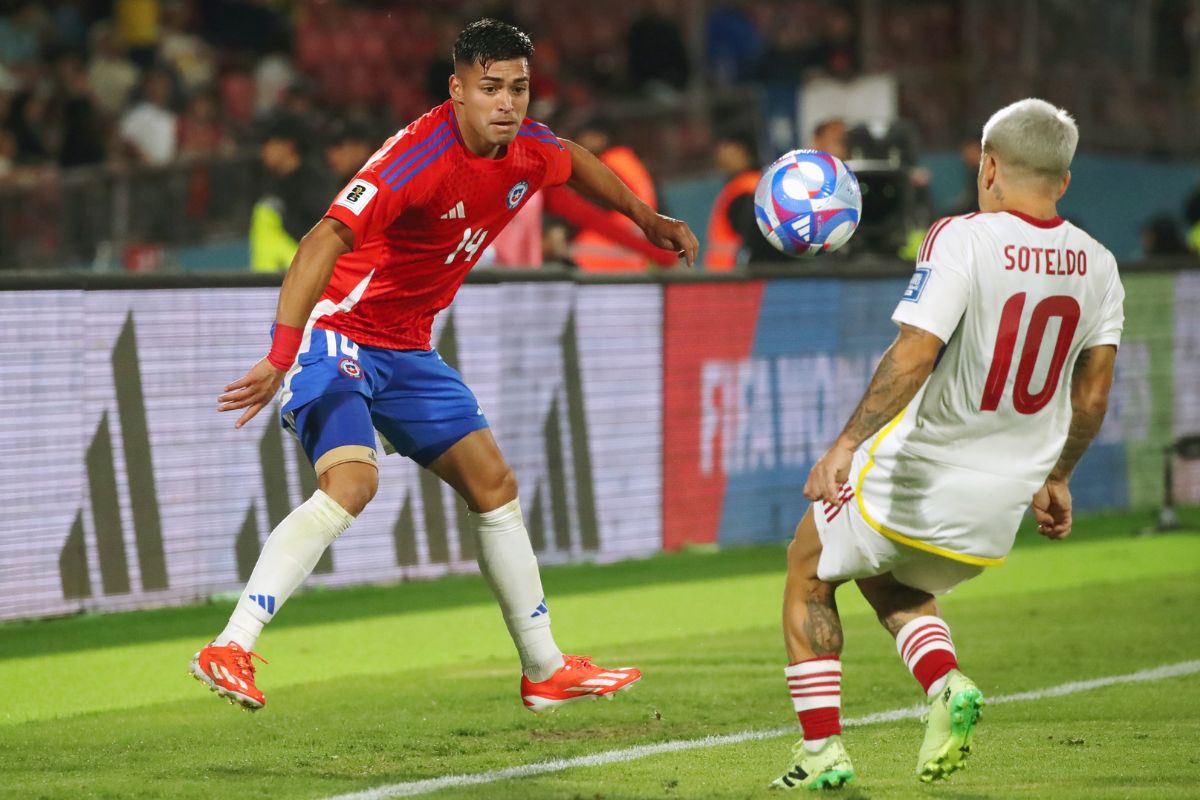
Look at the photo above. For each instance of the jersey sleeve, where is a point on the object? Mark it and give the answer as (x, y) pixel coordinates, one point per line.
(1112, 316)
(937, 294)
(368, 205)
(558, 158)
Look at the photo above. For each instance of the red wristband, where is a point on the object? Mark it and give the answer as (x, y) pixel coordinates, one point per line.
(284, 346)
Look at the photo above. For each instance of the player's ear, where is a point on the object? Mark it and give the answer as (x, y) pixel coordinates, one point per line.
(987, 171)
(456, 87)
(1066, 181)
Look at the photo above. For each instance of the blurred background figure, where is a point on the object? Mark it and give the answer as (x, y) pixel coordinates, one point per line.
(832, 136)
(297, 193)
(733, 238)
(593, 251)
(348, 145)
(967, 200)
(149, 130)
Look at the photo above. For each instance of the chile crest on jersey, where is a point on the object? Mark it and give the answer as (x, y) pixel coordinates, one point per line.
(516, 193)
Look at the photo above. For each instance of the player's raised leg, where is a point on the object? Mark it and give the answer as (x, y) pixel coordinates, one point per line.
(475, 468)
(812, 632)
(336, 432)
(924, 643)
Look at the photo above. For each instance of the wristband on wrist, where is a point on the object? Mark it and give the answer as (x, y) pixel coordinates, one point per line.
(284, 346)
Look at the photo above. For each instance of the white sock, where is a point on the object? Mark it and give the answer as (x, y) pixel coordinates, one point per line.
(816, 688)
(507, 561)
(291, 552)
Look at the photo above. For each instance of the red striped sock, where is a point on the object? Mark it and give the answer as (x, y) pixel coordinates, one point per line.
(816, 688)
(925, 645)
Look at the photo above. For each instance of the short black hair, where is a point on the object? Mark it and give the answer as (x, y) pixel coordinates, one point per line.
(488, 40)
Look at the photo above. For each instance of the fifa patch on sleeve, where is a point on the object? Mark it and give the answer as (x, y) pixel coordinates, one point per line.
(916, 285)
(356, 196)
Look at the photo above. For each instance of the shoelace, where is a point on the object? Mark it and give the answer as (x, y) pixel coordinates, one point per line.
(578, 662)
(241, 660)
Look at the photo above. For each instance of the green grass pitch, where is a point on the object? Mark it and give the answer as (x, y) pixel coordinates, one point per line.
(376, 686)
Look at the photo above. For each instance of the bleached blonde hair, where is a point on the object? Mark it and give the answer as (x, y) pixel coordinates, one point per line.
(1033, 139)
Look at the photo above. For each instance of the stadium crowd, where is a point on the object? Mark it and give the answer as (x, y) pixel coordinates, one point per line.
(124, 85)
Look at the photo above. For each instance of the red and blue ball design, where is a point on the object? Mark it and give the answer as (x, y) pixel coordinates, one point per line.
(807, 203)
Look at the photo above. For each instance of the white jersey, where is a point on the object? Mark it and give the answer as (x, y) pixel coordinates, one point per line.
(1015, 299)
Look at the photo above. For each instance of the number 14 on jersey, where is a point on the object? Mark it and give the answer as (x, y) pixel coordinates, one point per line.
(470, 244)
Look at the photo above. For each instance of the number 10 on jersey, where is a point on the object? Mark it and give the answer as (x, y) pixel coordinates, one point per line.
(470, 244)
(1066, 308)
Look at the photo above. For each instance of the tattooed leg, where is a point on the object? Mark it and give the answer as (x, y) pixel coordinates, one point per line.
(896, 604)
(811, 626)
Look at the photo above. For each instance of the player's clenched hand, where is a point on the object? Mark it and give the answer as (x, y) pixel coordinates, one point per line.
(672, 234)
(252, 391)
(828, 475)
(1052, 509)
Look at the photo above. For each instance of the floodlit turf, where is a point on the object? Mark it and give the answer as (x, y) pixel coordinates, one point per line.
(376, 686)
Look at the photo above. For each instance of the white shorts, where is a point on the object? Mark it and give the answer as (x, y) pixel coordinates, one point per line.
(850, 548)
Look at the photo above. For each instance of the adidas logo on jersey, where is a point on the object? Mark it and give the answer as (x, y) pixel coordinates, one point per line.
(458, 212)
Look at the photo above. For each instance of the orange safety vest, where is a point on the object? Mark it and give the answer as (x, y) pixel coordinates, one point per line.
(721, 250)
(595, 253)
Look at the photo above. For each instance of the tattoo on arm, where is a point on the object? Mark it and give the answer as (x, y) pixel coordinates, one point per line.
(823, 627)
(1085, 424)
(1084, 427)
(893, 386)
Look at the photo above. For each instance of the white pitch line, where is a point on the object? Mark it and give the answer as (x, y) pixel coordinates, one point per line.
(428, 785)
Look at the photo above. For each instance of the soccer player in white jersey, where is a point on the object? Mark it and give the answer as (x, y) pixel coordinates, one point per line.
(982, 406)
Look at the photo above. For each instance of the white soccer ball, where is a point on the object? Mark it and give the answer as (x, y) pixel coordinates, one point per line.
(807, 203)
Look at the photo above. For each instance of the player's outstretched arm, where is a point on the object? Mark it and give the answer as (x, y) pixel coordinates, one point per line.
(900, 374)
(1090, 384)
(306, 279)
(591, 178)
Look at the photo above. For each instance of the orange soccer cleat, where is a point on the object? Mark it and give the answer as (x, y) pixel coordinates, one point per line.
(228, 671)
(576, 679)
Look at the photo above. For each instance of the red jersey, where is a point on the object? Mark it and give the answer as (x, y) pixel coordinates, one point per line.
(422, 210)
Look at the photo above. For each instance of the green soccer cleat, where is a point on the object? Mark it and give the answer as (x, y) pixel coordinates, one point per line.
(949, 726)
(828, 768)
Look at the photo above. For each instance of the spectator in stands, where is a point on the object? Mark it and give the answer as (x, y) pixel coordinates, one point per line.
(110, 72)
(297, 193)
(137, 24)
(733, 237)
(347, 147)
(556, 243)
(150, 128)
(202, 130)
(733, 43)
(84, 136)
(832, 137)
(967, 200)
(658, 58)
(29, 122)
(592, 251)
(837, 50)
(19, 35)
(188, 55)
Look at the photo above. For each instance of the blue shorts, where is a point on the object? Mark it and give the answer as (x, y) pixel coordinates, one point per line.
(340, 393)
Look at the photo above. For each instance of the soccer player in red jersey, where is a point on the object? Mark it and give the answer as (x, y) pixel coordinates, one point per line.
(351, 350)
